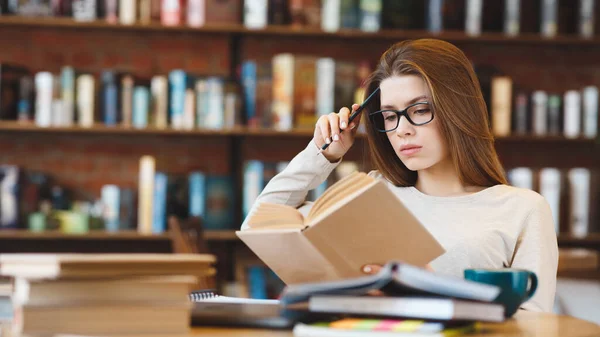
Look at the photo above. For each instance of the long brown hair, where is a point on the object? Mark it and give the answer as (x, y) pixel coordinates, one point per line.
(457, 104)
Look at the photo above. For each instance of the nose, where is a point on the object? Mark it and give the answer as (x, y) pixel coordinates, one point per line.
(404, 127)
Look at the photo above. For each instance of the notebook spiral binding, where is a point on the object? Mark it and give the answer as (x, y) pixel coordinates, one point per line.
(200, 295)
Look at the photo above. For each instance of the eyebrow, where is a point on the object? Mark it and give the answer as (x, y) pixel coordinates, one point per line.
(412, 101)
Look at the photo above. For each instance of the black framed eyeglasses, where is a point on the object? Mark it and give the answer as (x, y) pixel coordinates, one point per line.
(417, 114)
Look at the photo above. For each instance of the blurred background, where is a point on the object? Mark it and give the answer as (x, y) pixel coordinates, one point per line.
(152, 125)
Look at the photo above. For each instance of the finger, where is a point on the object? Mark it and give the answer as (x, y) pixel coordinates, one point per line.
(371, 268)
(334, 126)
(344, 115)
(356, 119)
(323, 125)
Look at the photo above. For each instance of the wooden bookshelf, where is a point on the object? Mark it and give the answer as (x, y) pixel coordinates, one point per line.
(275, 30)
(22, 241)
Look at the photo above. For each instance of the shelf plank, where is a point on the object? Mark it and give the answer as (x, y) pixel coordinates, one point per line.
(92, 235)
(580, 274)
(591, 241)
(16, 127)
(22, 241)
(69, 23)
(220, 235)
(277, 30)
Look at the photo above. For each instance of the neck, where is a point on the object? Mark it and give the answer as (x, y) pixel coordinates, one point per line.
(441, 180)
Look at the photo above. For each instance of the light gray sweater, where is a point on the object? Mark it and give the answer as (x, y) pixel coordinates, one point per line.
(500, 226)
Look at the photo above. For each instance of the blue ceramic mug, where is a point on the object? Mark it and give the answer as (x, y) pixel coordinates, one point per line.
(517, 285)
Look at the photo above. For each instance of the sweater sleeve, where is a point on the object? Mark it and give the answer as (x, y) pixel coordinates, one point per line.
(537, 250)
(305, 172)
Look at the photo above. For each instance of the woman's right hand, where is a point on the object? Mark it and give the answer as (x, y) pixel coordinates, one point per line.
(328, 128)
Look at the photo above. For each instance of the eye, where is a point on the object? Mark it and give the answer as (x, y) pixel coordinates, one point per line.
(422, 111)
(390, 117)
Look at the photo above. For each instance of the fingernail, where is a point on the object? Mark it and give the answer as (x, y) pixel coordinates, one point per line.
(327, 140)
(352, 126)
(343, 125)
(366, 269)
(336, 137)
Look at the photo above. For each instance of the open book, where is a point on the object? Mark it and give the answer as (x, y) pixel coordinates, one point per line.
(357, 221)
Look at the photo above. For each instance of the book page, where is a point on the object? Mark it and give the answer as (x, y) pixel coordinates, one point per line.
(333, 194)
(270, 216)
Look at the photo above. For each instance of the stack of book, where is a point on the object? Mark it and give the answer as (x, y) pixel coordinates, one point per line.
(108, 294)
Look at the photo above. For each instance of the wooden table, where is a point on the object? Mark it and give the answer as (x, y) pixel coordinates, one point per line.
(522, 324)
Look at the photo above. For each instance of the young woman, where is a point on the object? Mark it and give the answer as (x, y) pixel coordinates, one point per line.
(430, 143)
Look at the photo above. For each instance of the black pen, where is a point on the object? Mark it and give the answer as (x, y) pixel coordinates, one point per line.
(353, 116)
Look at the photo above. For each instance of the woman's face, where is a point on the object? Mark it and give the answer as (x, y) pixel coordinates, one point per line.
(418, 147)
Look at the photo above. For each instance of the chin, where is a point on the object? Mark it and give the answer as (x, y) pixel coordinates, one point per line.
(415, 164)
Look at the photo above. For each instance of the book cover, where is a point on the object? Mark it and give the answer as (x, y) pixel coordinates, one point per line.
(590, 111)
(159, 89)
(572, 114)
(549, 18)
(304, 96)
(85, 100)
(305, 13)
(539, 105)
(67, 85)
(279, 12)
(145, 194)
(197, 197)
(177, 86)
(325, 90)
(248, 75)
(196, 13)
(435, 19)
(370, 15)
(253, 184)
(215, 116)
(403, 14)
(189, 109)
(109, 102)
(579, 181)
(110, 195)
(43, 102)
(554, 115)
(501, 105)
(330, 15)
(473, 17)
(283, 92)
(223, 11)
(586, 18)
(521, 120)
(127, 84)
(220, 203)
(10, 76)
(550, 183)
(159, 209)
(512, 17)
(26, 99)
(10, 177)
(255, 14)
(127, 12)
(141, 109)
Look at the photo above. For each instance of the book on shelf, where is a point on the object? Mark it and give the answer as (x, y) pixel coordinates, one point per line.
(355, 222)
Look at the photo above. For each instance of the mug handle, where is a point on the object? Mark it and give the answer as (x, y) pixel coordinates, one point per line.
(534, 283)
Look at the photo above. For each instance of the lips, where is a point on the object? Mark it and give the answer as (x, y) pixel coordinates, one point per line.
(409, 149)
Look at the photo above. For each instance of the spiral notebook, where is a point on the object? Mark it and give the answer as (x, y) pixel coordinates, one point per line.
(211, 308)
